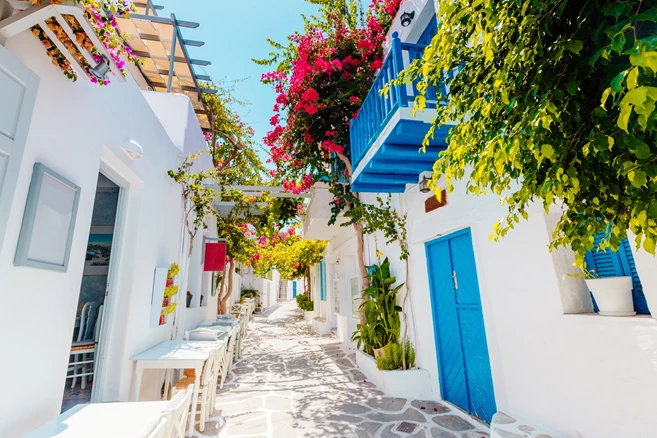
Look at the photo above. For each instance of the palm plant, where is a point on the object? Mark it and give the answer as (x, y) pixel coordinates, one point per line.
(382, 322)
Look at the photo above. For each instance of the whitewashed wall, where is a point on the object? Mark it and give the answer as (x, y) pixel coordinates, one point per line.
(77, 129)
(560, 372)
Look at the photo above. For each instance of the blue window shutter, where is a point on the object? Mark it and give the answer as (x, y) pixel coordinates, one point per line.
(629, 268)
(617, 264)
(322, 281)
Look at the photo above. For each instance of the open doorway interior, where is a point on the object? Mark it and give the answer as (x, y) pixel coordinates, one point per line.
(93, 293)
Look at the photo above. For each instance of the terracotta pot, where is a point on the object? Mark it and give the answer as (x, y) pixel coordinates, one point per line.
(169, 282)
(165, 302)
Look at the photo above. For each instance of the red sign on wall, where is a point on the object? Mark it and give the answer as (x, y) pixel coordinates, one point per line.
(215, 256)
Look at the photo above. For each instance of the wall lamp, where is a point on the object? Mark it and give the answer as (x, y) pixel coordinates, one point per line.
(101, 69)
(406, 18)
(132, 149)
(424, 185)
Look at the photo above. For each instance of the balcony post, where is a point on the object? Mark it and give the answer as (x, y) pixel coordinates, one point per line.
(398, 66)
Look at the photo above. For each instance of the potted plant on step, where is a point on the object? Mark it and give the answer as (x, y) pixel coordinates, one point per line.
(305, 304)
(613, 295)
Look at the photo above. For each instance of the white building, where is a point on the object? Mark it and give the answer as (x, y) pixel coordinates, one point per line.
(79, 133)
(499, 327)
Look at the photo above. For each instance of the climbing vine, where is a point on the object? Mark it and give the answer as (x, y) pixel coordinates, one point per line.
(556, 103)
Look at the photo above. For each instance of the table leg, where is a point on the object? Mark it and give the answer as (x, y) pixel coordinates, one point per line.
(135, 389)
(197, 385)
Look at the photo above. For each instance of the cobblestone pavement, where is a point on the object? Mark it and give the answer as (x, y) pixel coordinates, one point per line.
(291, 383)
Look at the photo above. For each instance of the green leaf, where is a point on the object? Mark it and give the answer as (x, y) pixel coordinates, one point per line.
(637, 178)
(642, 151)
(624, 117)
(547, 151)
(574, 46)
(649, 245)
(616, 83)
(633, 78)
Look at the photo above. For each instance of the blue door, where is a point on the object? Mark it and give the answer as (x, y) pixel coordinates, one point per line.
(294, 289)
(463, 362)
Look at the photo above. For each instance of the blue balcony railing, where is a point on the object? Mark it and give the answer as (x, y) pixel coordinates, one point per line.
(377, 108)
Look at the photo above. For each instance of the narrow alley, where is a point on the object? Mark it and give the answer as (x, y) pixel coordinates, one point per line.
(293, 383)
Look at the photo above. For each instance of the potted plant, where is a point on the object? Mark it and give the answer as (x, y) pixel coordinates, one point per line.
(305, 304)
(382, 324)
(613, 295)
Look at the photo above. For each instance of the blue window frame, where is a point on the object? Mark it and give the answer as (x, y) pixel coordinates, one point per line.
(607, 263)
(322, 280)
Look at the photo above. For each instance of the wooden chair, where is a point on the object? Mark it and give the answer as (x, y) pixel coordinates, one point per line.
(160, 428)
(178, 412)
(207, 388)
(86, 344)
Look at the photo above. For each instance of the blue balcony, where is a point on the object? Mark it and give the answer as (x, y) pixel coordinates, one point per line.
(385, 136)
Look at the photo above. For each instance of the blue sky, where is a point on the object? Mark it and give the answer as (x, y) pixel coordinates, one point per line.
(235, 32)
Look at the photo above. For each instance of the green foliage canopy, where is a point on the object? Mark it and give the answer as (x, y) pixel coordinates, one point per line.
(555, 102)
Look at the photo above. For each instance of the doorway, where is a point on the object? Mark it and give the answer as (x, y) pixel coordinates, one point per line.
(463, 362)
(85, 341)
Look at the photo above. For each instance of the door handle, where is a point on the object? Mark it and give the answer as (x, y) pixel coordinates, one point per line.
(455, 280)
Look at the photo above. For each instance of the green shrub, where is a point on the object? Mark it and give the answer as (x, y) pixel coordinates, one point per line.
(249, 293)
(304, 303)
(393, 356)
(382, 323)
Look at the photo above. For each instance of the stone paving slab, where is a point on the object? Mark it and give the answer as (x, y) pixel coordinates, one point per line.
(292, 383)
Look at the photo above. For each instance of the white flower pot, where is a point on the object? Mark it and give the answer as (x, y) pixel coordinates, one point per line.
(613, 295)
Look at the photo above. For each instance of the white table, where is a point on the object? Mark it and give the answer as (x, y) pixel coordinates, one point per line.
(104, 420)
(176, 354)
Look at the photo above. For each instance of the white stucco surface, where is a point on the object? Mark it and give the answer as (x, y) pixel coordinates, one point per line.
(77, 129)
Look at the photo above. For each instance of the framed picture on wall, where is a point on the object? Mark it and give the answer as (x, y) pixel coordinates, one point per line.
(99, 250)
(49, 221)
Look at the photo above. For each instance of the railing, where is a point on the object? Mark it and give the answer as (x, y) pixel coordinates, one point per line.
(378, 108)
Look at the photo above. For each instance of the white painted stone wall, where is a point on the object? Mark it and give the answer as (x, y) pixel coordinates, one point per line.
(561, 372)
(77, 129)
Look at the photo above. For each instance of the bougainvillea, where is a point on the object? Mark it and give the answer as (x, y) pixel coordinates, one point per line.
(322, 77)
(102, 15)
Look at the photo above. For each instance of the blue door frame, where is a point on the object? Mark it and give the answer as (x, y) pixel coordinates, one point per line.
(461, 346)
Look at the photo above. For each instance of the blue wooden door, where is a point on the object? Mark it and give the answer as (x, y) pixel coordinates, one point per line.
(294, 289)
(463, 363)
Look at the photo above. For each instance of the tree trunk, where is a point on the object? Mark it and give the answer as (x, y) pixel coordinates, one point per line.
(308, 290)
(220, 293)
(229, 289)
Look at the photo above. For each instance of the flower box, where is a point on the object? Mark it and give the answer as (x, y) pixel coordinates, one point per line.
(412, 384)
(321, 326)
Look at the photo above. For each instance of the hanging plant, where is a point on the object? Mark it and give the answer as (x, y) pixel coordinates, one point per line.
(102, 15)
(173, 270)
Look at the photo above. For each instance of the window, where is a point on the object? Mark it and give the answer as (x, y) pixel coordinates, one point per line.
(617, 264)
(322, 280)
(355, 296)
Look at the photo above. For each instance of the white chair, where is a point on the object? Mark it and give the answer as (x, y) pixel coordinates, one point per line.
(178, 412)
(207, 388)
(87, 343)
(227, 362)
(160, 428)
